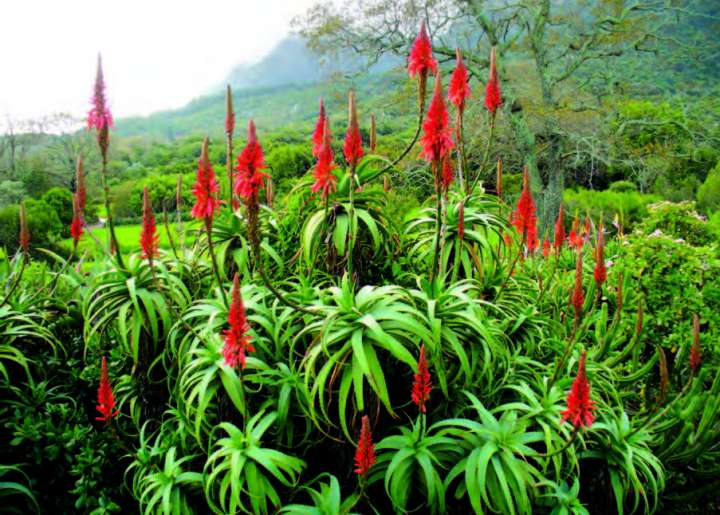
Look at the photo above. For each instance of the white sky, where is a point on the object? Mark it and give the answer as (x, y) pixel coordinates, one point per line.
(157, 54)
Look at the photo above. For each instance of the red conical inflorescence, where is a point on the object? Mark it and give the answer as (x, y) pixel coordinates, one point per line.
(421, 59)
(325, 179)
(24, 239)
(493, 97)
(546, 247)
(105, 397)
(579, 405)
(148, 236)
(99, 116)
(237, 339)
(365, 451)
(559, 236)
(76, 226)
(205, 188)
(447, 174)
(352, 148)
(577, 298)
(575, 238)
(459, 90)
(249, 178)
(696, 350)
(600, 270)
(436, 139)
(422, 385)
(318, 136)
(524, 217)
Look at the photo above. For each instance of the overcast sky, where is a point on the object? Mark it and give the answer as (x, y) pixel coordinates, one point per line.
(157, 54)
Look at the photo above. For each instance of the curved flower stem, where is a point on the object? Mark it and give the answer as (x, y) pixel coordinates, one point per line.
(169, 234)
(651, 419)
(53, 285)
(351, 216)
(486, 155)
(561, 449)
(111, 224)
(18, 277)
(568, 349)
(512, 267)
(438, 215)
(550, 277)
(229, 163)
(282, 298)
(421, 112)
(213, 259)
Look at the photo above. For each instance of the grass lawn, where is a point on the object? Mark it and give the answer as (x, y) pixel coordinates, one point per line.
(129, 238)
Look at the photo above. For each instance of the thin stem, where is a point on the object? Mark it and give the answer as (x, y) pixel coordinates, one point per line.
(561, 449)
(351, 216)
(486, 155)
(229, 163)
(111, 225)
(15, 284)
(216, 270)
(169, 233)
(438, 214)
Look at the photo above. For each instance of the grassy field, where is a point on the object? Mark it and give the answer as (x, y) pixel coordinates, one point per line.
(128, 237)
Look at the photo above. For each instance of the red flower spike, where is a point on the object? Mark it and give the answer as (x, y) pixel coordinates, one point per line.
(578, 295)
(696, 350)
(437, 135)
(446, 177)
(249, 179)
(524, 217)
(600, 270)
(458, 90)
(325, 179)
(498, 179)
(353, 142)
(99, 116)
(421, 59)
(229, 113)
(575, 239)
(373, 133)
(237, 339)
(493, 97)
(586, 230)
(579, 405)
(149, 239)
(319, 134)
(206, 188)
(105, 397)
(365, 451)
(76, 226)
(546, 247)
(559, 229)
(80, 189)
(421, 384)
(24, 239)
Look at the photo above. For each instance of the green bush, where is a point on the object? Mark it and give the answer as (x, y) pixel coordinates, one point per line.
(61, 200)
(629, 206)
(708, 195)
(679, 221)
(622, 186)
(43, 224)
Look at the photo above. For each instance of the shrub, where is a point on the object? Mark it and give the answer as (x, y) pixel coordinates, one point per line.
(43, 223)
(679, 221)
(622, 187)
(630, 206)
(708, 196)
(61, 200)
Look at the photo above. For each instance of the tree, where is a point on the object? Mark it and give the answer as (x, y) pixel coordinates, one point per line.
(545, 49)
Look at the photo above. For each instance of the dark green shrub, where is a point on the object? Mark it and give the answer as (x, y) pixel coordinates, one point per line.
(61, 200)
(43, 223)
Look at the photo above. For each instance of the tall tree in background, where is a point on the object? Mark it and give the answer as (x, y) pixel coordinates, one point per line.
(547, 50)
